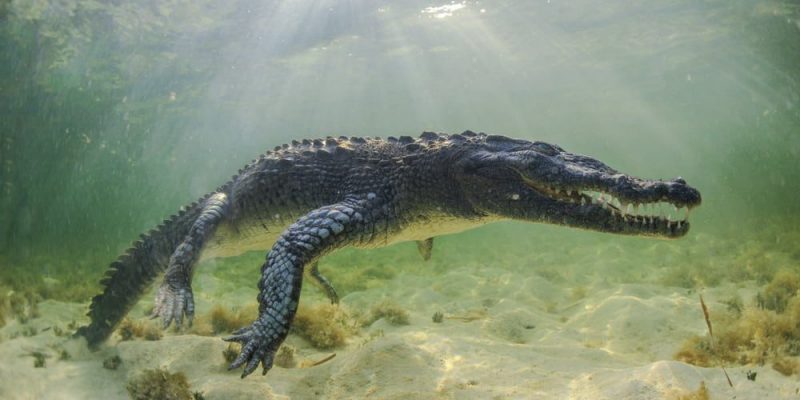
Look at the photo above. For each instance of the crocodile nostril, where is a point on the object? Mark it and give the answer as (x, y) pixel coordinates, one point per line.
(679, 180)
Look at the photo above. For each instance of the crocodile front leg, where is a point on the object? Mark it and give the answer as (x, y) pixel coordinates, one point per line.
(174, 298)
(313, 235)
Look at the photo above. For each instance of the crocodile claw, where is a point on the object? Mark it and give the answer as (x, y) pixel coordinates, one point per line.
(172, 304)
(255, 350)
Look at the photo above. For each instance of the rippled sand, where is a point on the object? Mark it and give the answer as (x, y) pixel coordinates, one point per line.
(592, 320)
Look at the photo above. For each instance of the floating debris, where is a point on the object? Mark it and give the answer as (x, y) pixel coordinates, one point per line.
(711, 335)
(309, 363)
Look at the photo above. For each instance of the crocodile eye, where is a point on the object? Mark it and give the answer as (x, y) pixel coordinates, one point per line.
(545, 148)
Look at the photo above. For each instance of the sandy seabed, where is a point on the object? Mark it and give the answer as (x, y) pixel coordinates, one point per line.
(506, 334)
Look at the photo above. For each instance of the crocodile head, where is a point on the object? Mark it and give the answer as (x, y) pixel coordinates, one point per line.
(540, 182)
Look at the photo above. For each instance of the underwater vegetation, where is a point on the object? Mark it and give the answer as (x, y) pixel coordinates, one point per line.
(324, 326)
(19, 305)
(3, 312)
(231, 352)
(65, 282)
(359, 278)
(778, 293)
(391, 312)
(222, 320)
(160, 384)
(285, 357)
(22, 288)
(112, 362)
(701, 393)
(3, 308)
(39, 359)
(129, 329)
(766, 332)
(769, 250)
(438, 317)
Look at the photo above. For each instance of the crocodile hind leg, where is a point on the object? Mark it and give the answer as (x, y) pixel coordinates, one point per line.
(174, 298)
(319, 232)
(323, 282)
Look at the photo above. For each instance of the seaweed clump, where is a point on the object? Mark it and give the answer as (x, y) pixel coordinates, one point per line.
(391, 312)
(70, 279)
(325, 326)
(39, 359)
(221, 320)
(112, 363)
(285, 357)
(700, 394)
(767, 333)
(780, 291)
(231, 352)
(159, 384)
(22, 305)
(130, 329)
(438, 317)
(3, 307)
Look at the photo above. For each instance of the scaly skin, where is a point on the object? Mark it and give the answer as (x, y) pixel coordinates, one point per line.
(313, 197)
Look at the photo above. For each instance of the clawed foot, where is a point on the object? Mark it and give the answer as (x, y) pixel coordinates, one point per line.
(255, 350)
(173, 304)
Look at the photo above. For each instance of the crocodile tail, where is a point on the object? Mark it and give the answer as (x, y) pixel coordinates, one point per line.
(134, 271)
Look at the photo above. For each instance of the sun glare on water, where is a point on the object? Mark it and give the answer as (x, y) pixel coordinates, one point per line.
(443, 11)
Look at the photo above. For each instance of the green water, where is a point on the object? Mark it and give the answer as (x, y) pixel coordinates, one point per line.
(115, 114)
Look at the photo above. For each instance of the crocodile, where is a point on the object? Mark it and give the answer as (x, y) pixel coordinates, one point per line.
(306, 199)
